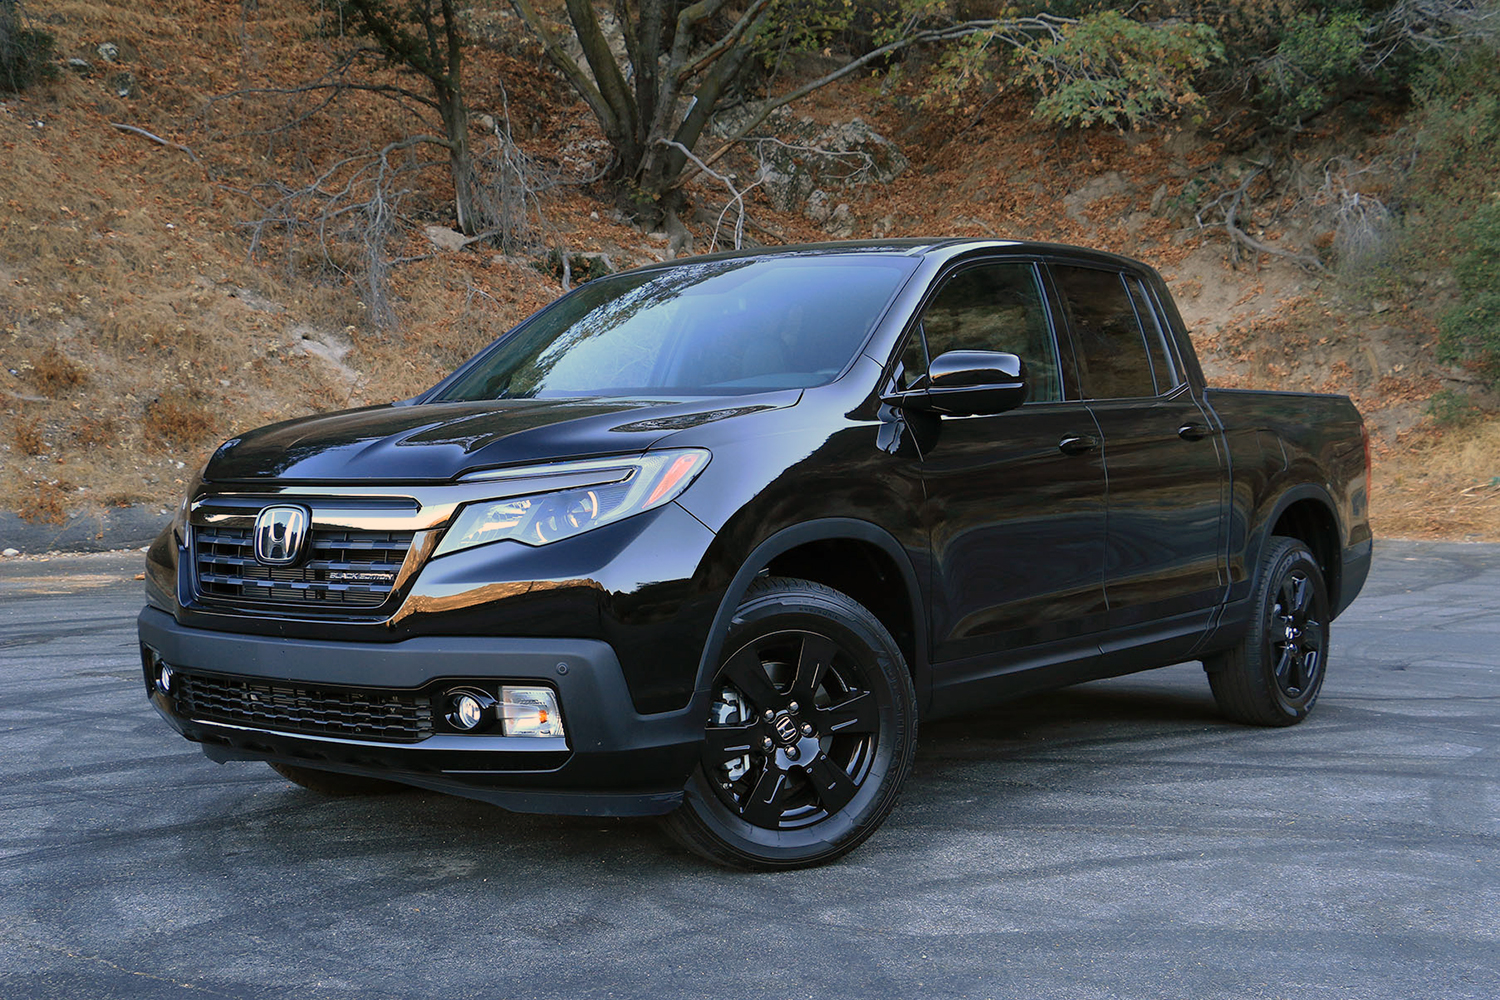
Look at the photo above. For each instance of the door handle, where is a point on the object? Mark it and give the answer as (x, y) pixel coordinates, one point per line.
(1193, 432)
(1078, 444)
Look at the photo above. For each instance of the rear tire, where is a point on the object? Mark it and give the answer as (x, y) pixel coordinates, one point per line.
(1273, 676)
(335, 784)
(811, 735)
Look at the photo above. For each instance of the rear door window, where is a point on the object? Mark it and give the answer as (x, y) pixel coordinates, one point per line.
(1162, 365)
(1113, 359)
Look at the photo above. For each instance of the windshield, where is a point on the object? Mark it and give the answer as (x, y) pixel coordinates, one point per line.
(708, 328)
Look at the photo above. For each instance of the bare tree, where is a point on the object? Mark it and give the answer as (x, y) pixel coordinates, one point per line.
(681, 62)
(420, 38)
(342, 218)
(423, 36)
(1442, 26)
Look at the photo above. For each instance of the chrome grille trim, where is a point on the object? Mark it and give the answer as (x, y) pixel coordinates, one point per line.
(225, 571)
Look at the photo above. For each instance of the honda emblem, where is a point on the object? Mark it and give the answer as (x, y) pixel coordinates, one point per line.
(279, 534)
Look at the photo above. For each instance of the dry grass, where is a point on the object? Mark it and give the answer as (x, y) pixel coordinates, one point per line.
(92, 432)
(1445, 484)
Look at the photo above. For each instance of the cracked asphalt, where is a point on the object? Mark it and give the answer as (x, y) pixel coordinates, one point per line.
(1112, 840)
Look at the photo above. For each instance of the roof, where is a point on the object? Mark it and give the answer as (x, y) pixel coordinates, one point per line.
(916, 247)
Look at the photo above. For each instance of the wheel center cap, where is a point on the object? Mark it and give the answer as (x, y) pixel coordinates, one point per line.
(785, 729)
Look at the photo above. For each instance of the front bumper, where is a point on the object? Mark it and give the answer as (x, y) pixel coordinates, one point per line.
(613, 761)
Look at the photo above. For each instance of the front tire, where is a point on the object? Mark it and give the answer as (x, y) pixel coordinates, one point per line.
(1273, 676)
(811, 735)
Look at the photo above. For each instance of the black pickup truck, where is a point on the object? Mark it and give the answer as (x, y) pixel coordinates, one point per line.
(706, 540)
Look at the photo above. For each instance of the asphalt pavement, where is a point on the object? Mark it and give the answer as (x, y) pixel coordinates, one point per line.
(1112, 840)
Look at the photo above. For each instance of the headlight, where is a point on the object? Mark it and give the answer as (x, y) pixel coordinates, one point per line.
(621, 487)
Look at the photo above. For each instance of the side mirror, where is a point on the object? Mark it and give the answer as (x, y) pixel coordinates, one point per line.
(968, 382)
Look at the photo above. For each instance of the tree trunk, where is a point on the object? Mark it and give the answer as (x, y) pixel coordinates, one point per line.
(455, 113)
(456, 130)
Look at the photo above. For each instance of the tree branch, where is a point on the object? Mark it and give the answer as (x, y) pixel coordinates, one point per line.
(736, 196)
(155, 138)
(1240, 237)
(601, 60)
(730, 39)
(950, 33)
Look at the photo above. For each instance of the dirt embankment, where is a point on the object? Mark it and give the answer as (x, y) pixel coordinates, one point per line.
(137, 331)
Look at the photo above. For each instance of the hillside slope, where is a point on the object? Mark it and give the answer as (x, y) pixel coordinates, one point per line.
(138, 331)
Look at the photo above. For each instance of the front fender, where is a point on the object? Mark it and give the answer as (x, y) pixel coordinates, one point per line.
(789, 538)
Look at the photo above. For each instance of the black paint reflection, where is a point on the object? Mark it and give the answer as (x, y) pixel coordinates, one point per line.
(1166, 511)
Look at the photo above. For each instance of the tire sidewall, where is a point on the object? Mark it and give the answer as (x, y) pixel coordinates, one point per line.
(879, 668)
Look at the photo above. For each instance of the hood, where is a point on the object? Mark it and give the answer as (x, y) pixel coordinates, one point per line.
(436, 442)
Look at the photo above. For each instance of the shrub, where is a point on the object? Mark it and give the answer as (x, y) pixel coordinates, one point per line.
(26, 432)
(47, 504)
(1448, 408)
(1470, 330)
(179, 421)
(1456, 154)
(55, 372)
(25, 52)
(1112, 69)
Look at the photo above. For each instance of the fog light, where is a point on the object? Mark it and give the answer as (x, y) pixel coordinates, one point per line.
(469, 710)
(530, 711)
(164, 679)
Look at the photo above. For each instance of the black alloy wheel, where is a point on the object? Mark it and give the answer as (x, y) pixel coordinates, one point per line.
(1273, 675)
(810, 736)
(1297, 636)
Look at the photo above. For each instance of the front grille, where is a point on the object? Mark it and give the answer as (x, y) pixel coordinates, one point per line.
(227, 573)
(382, 716)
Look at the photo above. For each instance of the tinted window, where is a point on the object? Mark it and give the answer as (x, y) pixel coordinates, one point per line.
(1112, 358)
(711, 327)
(1162, 367)
(992, 307)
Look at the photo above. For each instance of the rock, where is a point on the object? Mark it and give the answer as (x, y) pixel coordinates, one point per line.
(445, 239)
(818, 207)
(327, 346)
(108, 51)
(10, 552)
(1104, 186)
(80, 65)
(840, 224)
(1159, 196)
(123, 84)
(883, 227)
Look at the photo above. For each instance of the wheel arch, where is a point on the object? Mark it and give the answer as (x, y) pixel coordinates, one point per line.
(855, 557)
(1308, 514)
